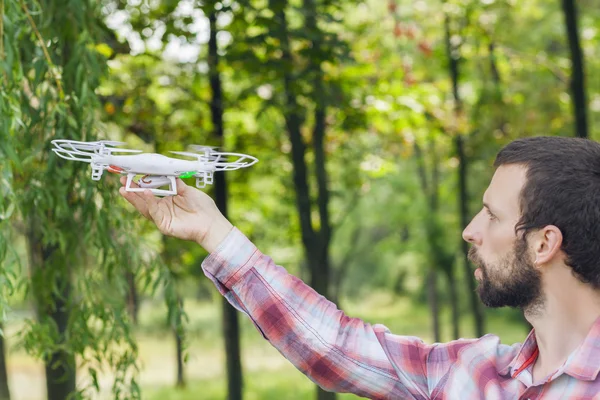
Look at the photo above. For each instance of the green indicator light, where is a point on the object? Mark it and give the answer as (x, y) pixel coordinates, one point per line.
(187, 174)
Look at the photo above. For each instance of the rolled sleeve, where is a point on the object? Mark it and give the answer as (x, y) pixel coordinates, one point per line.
(230, 261)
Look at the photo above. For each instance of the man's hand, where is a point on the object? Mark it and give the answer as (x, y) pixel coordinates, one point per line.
(190, 215)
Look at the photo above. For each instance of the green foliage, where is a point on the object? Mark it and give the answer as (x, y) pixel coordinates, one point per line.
(79, 236)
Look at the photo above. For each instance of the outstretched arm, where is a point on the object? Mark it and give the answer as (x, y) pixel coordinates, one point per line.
(338, 353)
(335, 351)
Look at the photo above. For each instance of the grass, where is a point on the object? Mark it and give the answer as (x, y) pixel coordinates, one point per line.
(258, 386)
(267, 375)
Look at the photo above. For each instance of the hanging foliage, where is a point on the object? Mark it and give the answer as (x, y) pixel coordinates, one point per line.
(79, 239)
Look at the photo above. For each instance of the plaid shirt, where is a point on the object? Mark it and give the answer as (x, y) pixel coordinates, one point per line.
(344, 354)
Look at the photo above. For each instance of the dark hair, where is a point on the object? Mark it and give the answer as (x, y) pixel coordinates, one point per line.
(562, 189)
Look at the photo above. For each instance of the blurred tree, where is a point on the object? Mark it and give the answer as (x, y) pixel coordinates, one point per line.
(322, 46)
(453, 52)
(578, 90)
(4, 387)
(231, 328)
(431, 192)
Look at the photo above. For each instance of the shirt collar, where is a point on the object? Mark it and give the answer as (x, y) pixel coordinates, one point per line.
(526, 351)
(582, 363)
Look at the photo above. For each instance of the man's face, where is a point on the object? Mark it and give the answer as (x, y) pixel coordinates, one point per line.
(506, 272)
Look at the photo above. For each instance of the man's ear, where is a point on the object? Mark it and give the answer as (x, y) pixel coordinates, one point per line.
(547, 244)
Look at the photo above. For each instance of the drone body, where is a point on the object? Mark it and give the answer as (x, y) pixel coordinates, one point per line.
(157, 170)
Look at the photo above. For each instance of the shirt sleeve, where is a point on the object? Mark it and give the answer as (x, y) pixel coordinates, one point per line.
(338, 353)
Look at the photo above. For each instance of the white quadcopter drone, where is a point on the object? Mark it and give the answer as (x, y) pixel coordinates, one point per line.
(157, 170)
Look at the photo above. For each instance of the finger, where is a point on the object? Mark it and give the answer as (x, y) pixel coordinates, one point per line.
(134, 185)
(136, 200)
(181, 186)
(135, 196)
(152, 204)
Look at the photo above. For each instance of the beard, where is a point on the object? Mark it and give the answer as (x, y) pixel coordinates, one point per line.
(511, 282)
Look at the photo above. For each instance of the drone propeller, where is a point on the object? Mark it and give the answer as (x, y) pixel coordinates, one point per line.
(210, 157)
(222, 161)
(83, 151)
(207, 151)
(86, 145)
(202, 148)
(240, 161)
(112, 150)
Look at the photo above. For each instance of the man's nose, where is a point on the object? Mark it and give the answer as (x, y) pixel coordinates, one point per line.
(471, 234)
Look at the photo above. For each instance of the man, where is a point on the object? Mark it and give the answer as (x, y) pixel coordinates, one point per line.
(535, 243)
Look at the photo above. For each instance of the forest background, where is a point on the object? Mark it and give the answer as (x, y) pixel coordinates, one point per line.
(375, 122)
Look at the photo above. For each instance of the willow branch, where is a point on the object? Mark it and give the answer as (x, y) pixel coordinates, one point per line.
(44, 49)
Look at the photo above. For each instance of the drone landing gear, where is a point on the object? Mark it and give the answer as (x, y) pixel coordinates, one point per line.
(153, 182)
(206, 177)
(96, 172)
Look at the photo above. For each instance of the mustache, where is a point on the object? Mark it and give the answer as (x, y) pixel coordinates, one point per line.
(473, 256)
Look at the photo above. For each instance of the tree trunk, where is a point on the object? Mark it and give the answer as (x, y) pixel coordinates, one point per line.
(316, 244)
(431, 282)
(476, 310)
(52, 292)
(179, 346)
(335, 288)
(4, 389)
(444, 260)
(453, 69)
(577, 69)
(132, 297)
(321, 272)
(293, 122)
(501, 119)
(454, 305)
(432, 298)
(231, 331)
(60, 366)
(493, 65)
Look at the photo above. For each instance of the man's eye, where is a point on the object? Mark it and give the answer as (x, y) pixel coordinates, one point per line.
(492, 216)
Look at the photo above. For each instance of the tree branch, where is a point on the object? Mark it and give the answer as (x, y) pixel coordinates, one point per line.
(51, 65)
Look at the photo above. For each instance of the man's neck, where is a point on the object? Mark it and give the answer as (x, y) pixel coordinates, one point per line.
(562, 324)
